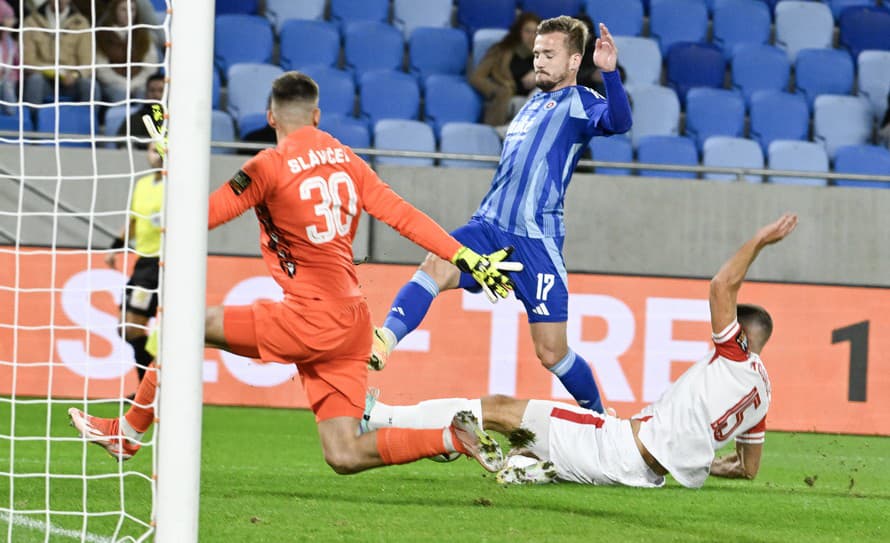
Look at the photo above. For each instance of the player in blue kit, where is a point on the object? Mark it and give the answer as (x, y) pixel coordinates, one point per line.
(524, 206)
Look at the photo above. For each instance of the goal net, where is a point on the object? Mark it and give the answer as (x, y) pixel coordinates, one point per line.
(71, 157)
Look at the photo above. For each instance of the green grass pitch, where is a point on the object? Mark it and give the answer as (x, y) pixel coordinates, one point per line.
(263, 479)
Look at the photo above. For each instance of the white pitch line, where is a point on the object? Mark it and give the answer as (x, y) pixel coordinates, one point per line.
(43, 526)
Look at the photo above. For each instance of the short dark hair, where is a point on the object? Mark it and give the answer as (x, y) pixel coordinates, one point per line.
(157, 76)
(294, 87)
(574, 29)
(755, 320)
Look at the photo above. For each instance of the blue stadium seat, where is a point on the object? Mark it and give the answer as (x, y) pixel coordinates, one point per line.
(760, 67)
(546, 9)
(740, 21)
(115, 117)
(874, 80)
(483, 39)
(672, 21)
(251, 123)
(641, 60)
(475, 14)
(841, 120)
(862, 159)
(349, 11)
(469, 138)
(667, 150)
(245, 7)
(306, 42)
(617, 148)
(864, 28)
(404, 135)
(438, 51)
(804, 156)
(778, 115)
(73, 119)
(714, 112)
(349, 130)
(280, 11)
(803, 25)
(336, 90)
(373, 46)
(727, 152)
(823, 71)
(241, 38)
(450, 99)
(249, 86)
(838, 6)
(159, 5)
(694, 65)
(221, 129)
(215, 90)
(389, 95)
(656, 112)
(622, 17)
(11, 121)
(411, 14)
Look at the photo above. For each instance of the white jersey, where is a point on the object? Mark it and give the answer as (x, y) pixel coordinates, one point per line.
(722, 397)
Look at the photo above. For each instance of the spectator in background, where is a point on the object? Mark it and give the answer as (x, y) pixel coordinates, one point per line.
(75, 52)
(506, 71)
(119, 52)
(154, 92)
(9, 57)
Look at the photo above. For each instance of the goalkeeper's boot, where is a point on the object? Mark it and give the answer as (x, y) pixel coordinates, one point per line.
(383, 344)
(105, 433)
(477, 442)
(370, 401)
(523, 470)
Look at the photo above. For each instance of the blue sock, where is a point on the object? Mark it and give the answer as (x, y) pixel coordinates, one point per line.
(576, 376)
(411, 305)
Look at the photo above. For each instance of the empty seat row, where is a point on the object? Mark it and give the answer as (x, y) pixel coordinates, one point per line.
(837, 120)
(730, 152)
(382, 94)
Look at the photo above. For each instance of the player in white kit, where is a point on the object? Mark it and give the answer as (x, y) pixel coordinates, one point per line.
(722, 397)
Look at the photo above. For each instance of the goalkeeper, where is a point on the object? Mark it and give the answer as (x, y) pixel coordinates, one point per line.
(144, 227)
(308, 194)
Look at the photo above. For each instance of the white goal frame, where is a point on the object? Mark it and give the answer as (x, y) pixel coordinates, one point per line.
(180, 364)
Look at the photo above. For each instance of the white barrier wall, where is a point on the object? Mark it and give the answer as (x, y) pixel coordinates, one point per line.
(615, 224)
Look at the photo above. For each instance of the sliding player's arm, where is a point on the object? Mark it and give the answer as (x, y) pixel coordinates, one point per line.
(744, 463)
(726, 284)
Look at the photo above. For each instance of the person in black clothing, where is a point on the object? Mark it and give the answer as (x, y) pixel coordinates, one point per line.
(154, 93)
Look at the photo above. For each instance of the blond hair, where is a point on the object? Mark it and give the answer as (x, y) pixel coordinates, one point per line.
(574, 30)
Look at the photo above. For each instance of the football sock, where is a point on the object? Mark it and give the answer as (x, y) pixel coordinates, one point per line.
(403, 445)
(143, 359)
(141, 414)
(411, 305)
(426, 414)
(575, 374)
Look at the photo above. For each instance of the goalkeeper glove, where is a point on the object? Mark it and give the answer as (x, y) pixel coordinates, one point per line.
(486, 270)
(157, 128)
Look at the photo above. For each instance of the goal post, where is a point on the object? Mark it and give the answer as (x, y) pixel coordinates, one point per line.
(180, 364)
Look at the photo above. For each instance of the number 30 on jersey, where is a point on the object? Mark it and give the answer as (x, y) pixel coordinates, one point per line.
(337, 221)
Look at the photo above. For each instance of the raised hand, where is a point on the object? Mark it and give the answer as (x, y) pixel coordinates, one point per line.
(605, 52)
(778, 230)
(487, 272)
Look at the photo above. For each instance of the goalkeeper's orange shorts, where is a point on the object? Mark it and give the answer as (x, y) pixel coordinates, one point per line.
(329, 341)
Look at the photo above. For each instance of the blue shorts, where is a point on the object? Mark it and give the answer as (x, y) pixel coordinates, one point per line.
(542, 285)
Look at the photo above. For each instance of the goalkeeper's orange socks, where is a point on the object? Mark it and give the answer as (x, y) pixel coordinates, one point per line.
(402, 445)
(141, 414)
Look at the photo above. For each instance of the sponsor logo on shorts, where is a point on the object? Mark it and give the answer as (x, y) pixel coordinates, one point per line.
(541, 309)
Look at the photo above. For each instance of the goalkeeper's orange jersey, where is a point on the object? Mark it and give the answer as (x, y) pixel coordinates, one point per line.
(308, 194)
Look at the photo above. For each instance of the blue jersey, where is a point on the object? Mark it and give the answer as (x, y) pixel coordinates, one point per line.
(542, 147)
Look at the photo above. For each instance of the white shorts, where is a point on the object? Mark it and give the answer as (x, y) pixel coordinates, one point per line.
(587, 447)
